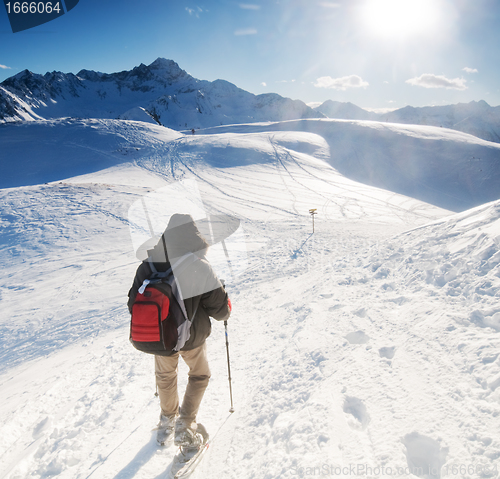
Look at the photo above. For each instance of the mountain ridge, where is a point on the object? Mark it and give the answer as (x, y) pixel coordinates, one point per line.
(477, 118)
(171, 97)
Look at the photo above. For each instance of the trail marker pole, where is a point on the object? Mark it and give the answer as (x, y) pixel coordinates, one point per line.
(312, 213)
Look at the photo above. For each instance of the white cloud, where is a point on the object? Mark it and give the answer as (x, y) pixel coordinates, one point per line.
(249, 6)
(246, 31)
(428, 80)
(4, 67)
(343, 83)
(264, 83)
(194, 11)
(469, 70)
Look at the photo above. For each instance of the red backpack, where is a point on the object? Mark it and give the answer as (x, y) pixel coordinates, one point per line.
(159, 323)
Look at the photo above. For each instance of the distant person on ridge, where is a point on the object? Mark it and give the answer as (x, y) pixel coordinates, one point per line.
(205, 296)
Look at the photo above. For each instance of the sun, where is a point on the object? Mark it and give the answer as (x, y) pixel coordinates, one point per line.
(400, 18)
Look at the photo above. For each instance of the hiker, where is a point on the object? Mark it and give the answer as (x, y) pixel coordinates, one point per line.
(204, 297)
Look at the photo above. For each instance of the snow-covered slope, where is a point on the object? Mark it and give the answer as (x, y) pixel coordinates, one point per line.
(362, 347)
(162, 89)
(446, 168)
(450, 169)
(138, 113)
(43, 151)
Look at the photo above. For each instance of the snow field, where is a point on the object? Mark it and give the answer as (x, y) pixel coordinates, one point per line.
(380, 378)
(371, 346)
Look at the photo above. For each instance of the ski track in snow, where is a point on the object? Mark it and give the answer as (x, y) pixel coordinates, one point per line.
(370, 346)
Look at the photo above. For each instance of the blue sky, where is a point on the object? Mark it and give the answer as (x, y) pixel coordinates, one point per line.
(376, 54)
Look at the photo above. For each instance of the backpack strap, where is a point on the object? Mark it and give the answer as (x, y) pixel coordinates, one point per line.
(159, 276)
(175, 285)
(184, 330)
(156, 277)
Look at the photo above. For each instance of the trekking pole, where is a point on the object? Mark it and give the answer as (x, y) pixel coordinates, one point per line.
(229, 369)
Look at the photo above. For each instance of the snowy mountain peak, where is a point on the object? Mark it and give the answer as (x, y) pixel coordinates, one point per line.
(164, 64)
(481, 104)
(25, 77)
(89, 75)
(21, 75)
(345, 111)
(169, 70)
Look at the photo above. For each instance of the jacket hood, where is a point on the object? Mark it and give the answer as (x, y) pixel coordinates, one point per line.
(181, 236)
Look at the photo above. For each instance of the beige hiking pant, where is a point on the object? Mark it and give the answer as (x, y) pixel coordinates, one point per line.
(166, 380)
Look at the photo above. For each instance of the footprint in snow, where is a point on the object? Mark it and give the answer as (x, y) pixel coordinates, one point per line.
(362, 312)
(335, 306)
(494, 383)
(387, 352)
(489, 359)
(358, 415)
(357, 337)
(425, 456)
(41, 427)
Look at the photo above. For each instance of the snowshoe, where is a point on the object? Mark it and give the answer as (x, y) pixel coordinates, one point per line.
(188, 437)
(190, 454)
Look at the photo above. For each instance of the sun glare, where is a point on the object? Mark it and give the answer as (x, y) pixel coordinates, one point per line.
(400, 18)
